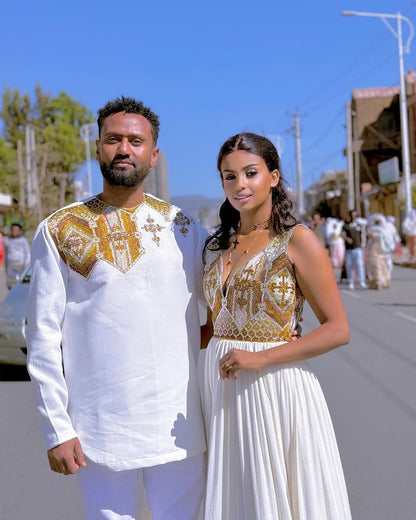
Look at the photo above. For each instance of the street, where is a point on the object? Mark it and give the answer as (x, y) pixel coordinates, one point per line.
(370, 387)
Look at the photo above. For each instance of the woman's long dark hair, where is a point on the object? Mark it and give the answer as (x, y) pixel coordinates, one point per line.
(282, 206)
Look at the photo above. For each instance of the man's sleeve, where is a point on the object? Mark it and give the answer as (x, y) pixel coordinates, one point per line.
(46, 308)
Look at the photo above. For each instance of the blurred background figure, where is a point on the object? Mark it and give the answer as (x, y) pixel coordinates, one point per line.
(336, 244)
(353, 233)
(395, 238)
(317, 225)
(2, 240)
(380, 245)
(17, 254)
(409, 231)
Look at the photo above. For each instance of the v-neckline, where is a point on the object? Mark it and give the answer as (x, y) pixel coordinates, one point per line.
(227, 282)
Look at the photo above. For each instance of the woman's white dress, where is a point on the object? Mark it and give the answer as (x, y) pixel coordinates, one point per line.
(272, 450)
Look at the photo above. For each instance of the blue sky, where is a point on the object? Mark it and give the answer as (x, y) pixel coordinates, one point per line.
(210, 70)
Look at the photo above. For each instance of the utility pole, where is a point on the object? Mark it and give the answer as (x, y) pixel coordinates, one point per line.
(351, 197)
(357, 170)
(29, 185)
(299, 167)
(33, 189)
(21, 175)
(85, 136)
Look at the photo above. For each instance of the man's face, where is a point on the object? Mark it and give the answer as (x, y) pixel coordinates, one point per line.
(15, 231)
(125, 149)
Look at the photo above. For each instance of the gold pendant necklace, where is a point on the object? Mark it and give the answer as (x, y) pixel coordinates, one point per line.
(260, 227)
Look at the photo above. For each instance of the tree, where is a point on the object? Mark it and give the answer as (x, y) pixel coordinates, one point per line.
(60, 151)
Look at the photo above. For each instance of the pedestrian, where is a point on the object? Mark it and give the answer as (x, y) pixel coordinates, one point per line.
(354, 257)
(114, 332)
(318, 227)
(409, 231)
(272, 452)
(336, 244)
(2, 241)
(394, 237)
(380, 245)
(16, 253)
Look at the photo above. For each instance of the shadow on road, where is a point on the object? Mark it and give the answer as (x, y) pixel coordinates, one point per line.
(13, 373)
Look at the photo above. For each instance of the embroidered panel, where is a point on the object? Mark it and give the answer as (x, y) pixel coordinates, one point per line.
(162, 207)
(90, 232)
(263, 301)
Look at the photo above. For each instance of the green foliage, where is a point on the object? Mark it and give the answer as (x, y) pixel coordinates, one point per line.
(60, 151)
(8, 181)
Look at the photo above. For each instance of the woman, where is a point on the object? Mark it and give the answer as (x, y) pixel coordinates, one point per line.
(380, 245)
(272, 452)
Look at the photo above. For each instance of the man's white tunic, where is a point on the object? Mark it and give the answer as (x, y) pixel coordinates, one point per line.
(119, 290)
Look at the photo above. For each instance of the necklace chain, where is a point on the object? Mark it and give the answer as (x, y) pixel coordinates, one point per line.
(256, 227)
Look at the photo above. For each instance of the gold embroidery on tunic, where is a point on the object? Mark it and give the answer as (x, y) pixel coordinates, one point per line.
(183, 221)
(153, 228)
(162, 207)
(93, 231)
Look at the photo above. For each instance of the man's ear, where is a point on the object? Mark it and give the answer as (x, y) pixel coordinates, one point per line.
(155, 154)
(97, 150)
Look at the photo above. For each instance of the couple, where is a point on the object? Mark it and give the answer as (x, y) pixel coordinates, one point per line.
(114, 332)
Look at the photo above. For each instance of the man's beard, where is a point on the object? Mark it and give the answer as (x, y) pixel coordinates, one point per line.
(123, 176)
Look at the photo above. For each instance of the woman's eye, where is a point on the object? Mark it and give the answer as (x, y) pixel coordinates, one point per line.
(229, 177)
(251, 173)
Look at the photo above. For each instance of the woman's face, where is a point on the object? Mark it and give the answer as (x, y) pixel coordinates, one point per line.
(247, 181)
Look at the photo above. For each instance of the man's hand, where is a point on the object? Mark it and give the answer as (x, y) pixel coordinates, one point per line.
(67, 458)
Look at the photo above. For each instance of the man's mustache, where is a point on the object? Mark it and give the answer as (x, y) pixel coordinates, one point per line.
(121, 158)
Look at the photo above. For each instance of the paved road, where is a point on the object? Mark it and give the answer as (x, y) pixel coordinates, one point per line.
(370, 387)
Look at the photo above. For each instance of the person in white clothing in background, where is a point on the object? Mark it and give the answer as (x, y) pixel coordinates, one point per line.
(114, 332)
(17, 254)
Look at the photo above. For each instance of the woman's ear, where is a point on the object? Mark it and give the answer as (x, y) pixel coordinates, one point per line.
(275, 178)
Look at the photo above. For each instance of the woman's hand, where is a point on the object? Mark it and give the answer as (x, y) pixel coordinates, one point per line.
(237, 359)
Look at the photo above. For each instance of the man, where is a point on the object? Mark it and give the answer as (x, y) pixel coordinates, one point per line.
(318, 227)
(354, 258)
(116, 282)
(17, 254)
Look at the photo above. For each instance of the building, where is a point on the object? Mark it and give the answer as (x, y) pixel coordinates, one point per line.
(329, 195)
(376, 138)
(156, 183)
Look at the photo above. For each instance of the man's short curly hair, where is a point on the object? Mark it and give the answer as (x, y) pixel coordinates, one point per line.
(130, 106)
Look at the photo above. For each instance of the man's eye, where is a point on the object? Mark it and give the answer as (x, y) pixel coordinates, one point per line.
(112, 139)
(136, 142)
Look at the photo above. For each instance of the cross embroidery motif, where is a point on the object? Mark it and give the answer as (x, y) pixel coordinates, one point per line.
(283, 287)
(153, 228)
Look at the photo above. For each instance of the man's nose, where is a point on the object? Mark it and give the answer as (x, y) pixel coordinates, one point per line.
(124, 147)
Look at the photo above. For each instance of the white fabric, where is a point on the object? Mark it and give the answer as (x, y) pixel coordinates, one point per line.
(272, 452)
(174, 490)
(130, 332)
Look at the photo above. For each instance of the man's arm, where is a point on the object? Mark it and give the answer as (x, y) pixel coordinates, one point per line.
(46, 309)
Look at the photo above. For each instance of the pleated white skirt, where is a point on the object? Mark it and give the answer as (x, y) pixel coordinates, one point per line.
(272, 452)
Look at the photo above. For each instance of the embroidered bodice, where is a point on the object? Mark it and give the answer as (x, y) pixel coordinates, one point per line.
(262, 300)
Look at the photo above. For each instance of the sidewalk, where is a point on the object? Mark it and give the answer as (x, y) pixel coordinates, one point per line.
(403, 260)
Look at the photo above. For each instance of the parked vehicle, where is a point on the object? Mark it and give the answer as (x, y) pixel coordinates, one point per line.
(13, 322)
